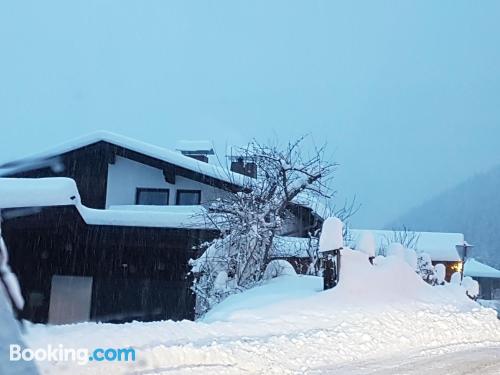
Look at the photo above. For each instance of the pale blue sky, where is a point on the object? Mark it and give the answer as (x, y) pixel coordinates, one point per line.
(406, 93)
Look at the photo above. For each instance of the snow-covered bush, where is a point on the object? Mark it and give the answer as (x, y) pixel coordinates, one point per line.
(367, 244)
(440, 271)
(396, 250)
(456, 278)
(278, 267)
(314, 267)
(249, 220)
(471, 287)
(411, 258)
(425, 268)
(220, 282)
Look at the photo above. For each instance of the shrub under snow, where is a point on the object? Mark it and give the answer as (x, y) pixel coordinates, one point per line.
(411, 258)
(440, 273)
(471, 287)
(278, 267)
(220, 282)
(367, 244)
(396, 250)
(425, 268)
(456, 278)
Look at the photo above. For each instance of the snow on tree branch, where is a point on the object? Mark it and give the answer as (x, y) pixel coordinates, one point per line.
(249, 219)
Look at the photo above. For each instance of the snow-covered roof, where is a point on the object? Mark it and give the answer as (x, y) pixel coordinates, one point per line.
(147, 216)
(288, 246)
(317, 205)
(62, 191)
(147, 149)
(474, 268)
(440, 246)
(38, 192)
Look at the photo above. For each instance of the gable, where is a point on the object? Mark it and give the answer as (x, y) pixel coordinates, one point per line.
(126, 177)
(170, 161)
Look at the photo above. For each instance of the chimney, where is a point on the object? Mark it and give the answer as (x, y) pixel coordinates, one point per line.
(198, 150)
(244, 165)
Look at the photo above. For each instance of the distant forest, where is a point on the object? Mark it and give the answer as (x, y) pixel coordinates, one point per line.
(472, 208)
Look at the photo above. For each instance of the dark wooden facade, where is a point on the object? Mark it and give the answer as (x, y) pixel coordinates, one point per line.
(489, 287)
(88, 166)
(138, 273)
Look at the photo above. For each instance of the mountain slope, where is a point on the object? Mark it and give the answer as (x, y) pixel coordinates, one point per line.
(472, 207)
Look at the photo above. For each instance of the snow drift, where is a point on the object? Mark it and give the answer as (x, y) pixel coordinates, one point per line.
(288, 325)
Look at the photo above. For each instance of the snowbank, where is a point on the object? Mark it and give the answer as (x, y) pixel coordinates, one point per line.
(367, 244)
(274, 292)
(288, 325)
(278, 267)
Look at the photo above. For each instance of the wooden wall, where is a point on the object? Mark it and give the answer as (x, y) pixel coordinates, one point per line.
(138, 273)
(88, 166)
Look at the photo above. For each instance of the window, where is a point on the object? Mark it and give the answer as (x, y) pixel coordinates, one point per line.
(188, 197)
(155, 197)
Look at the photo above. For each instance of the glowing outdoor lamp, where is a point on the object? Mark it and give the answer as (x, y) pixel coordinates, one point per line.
(463, 252)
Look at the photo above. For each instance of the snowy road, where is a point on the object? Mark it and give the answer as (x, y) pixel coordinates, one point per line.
(449, 361)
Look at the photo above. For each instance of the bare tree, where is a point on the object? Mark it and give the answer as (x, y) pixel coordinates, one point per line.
(250, 219)
(404, 236)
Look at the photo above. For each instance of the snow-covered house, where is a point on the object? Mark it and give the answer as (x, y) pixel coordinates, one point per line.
(487, 277)
(102, 227)
(441, 247)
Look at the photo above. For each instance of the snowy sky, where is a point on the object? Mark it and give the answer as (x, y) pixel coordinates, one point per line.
(407, 93)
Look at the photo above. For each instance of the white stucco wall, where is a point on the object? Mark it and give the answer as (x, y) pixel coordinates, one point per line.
(125, 176)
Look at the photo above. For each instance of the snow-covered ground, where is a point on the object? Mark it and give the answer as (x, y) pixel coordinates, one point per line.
(483, 359)
(289, 325)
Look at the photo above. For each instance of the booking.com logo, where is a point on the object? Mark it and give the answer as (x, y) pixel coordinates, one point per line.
(81, 356)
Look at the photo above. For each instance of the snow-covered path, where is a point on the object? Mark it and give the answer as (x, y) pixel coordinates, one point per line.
(461, 360)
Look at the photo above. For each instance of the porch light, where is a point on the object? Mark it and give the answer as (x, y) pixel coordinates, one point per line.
(457, 266)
